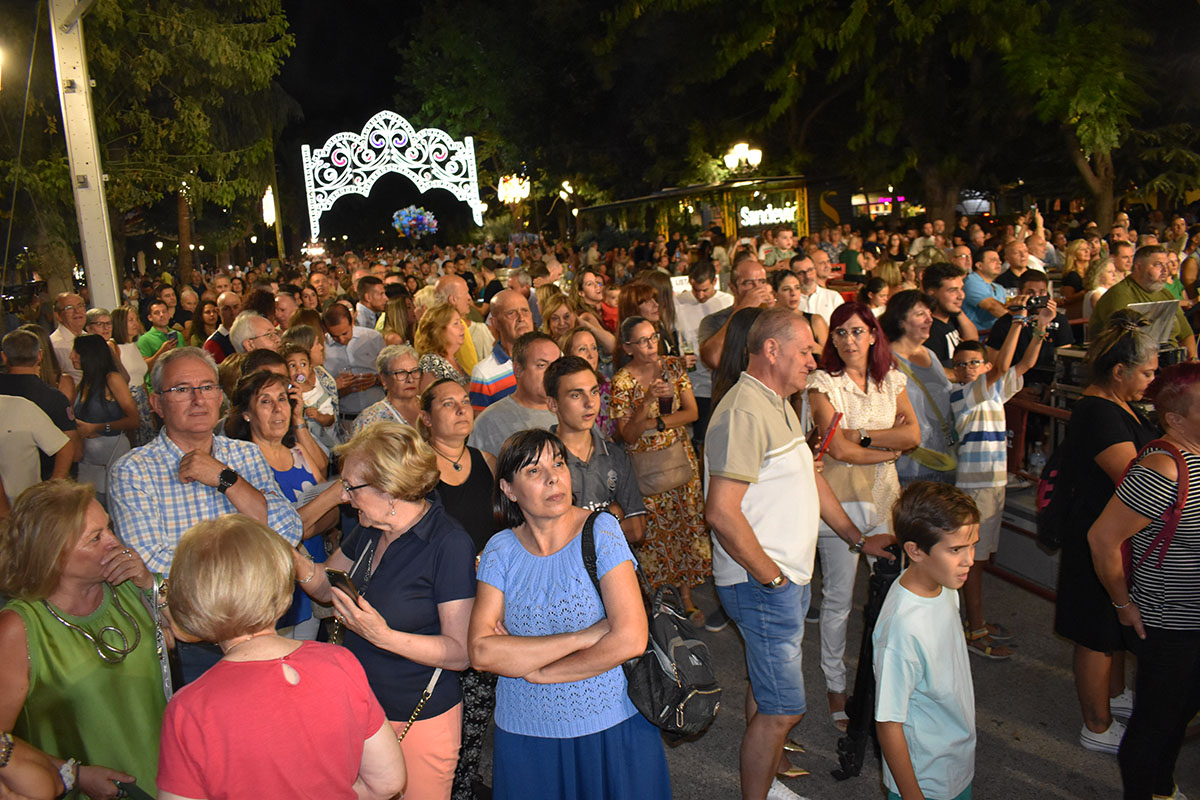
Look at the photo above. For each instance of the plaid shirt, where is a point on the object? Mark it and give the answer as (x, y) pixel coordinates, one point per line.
(151, 508)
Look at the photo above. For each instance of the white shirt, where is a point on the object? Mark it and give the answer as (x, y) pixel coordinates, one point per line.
(358, 357)
(63, 341)
(688, 314)
(822, 302)
(25, 429)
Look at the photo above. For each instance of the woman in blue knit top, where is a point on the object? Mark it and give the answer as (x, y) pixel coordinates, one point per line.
(565, 727)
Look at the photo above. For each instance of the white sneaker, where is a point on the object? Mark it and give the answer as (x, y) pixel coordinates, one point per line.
(1176, 795)
(1122, 705)
(1108, 741)
(780, 792)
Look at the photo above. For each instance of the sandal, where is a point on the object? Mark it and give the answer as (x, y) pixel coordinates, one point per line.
(792, 746)
(841, 720)
(995, 631)
(696, 616)
(793, 772)
(980, 643)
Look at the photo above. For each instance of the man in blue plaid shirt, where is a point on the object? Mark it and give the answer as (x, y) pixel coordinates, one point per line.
(186, 475)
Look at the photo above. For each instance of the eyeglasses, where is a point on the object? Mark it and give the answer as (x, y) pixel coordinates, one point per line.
(645, 341)
(974, 362)
(271, 334)
(348, 489)
(850, 333)
(72, 307)
(403, 374)
(184, 392)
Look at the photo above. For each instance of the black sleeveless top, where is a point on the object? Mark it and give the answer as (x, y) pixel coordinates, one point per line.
(471, 502)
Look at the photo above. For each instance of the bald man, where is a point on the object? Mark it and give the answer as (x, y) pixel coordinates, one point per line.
(492, 378)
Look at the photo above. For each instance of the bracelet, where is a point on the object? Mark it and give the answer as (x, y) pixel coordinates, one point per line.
(1128, 603)
(312, 574)
(6, 748)
(69, 773)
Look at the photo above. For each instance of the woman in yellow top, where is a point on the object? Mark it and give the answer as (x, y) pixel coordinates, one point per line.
(652, 403)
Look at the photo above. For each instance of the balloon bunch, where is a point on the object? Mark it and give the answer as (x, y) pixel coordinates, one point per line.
(414, 222)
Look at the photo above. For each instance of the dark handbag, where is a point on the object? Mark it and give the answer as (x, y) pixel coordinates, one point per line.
(673, 683)
(660, 471)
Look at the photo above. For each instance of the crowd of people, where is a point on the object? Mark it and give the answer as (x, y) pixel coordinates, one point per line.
(369, 474)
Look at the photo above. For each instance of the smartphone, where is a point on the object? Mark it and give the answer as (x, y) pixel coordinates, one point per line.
(342, 581)
(131, 790)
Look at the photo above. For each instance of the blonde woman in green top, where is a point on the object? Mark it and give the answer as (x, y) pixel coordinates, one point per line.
(81, 678)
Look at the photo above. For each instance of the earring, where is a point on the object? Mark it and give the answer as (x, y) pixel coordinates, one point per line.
(392, 513)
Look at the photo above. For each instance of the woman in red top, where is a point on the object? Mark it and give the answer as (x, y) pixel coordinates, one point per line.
(275, 717)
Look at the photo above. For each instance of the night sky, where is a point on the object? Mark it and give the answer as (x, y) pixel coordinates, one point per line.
(342, 71)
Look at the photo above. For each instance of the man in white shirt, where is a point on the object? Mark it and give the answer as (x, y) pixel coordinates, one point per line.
(814, 298)
(71, 314)
(350, 354)
(691, 307)
(371, 300)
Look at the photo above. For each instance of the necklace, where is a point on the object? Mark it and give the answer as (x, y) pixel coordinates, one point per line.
(109, 653)
(454, 461)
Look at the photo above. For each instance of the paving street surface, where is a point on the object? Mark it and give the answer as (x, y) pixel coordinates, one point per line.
(1026, 712)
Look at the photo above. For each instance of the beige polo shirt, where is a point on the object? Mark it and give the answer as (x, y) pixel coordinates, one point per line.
(755, 436)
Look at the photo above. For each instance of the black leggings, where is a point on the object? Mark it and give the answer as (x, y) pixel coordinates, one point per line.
(479, 702)
(1168, 697)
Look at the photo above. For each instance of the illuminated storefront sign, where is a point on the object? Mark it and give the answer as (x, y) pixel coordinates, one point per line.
(755, 217)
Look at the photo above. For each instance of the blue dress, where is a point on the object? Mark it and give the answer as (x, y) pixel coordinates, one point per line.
(292, 482)
(582, 740)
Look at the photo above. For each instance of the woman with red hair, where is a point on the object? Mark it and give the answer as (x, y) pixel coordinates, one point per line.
(857, 377)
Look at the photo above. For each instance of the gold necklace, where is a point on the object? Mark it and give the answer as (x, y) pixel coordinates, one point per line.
(109, 653)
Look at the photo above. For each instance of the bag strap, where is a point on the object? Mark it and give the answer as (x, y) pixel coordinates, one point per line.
(948, 430)
(1174, 512)
(587, 543)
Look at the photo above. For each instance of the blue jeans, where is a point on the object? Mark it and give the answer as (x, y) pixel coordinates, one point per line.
(772, 624)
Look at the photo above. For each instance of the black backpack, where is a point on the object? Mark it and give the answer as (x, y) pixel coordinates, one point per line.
(1053, 501)
(673, 684)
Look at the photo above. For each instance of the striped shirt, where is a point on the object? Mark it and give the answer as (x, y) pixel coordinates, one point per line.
(982, 433)
(492, 379)
(151, 508)
(1168, 596)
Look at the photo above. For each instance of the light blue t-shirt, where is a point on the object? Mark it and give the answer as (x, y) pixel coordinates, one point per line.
(976, 289)
(923, 679)
(544, 595)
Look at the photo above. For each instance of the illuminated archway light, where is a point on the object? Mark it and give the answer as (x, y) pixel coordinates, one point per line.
(350, 163)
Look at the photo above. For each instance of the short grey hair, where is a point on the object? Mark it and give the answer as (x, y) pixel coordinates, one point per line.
(522, 277)
(242, 329)
(391, 352)
(94, 314)
(160, 366)
(773, 323)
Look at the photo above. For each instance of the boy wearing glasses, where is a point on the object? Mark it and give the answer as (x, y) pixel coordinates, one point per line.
(977, 401)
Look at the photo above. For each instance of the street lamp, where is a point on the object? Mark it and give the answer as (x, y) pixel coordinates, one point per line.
(268, 207)
(741, 156)
(513, 189)
(254, 239)
(159, 245)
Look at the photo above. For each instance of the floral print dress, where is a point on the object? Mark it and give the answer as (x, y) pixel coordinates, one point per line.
(676, 549)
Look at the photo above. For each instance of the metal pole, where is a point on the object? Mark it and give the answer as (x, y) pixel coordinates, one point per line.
(83, 150)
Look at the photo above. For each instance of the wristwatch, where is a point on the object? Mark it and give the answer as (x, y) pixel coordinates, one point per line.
(662, 426)
(858, 546)
(775, 582)
(227, 479)
(864, 438)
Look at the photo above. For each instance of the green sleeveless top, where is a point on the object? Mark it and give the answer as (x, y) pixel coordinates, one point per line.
(79, 706)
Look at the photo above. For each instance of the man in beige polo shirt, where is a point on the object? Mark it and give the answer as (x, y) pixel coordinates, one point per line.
(763, 503)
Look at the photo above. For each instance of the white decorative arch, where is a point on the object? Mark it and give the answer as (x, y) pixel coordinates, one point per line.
(350, 163)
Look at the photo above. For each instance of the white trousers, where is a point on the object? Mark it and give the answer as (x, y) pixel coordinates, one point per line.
(839, 568)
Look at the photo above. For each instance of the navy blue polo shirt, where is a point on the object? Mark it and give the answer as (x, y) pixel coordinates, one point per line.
(432, 563)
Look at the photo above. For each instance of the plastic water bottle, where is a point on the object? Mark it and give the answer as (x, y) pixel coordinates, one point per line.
(1037, 459)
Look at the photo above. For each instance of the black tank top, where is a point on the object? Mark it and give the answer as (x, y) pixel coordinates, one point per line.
(471, 502)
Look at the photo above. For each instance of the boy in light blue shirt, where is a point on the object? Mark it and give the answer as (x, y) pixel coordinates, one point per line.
(925, 701)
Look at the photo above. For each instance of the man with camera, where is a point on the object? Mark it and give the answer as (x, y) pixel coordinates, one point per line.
(1033, 293)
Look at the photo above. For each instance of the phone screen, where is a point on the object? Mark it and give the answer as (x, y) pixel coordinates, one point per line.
(342, 581)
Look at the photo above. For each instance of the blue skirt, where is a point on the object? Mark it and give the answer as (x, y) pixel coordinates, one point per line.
(624, 762)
